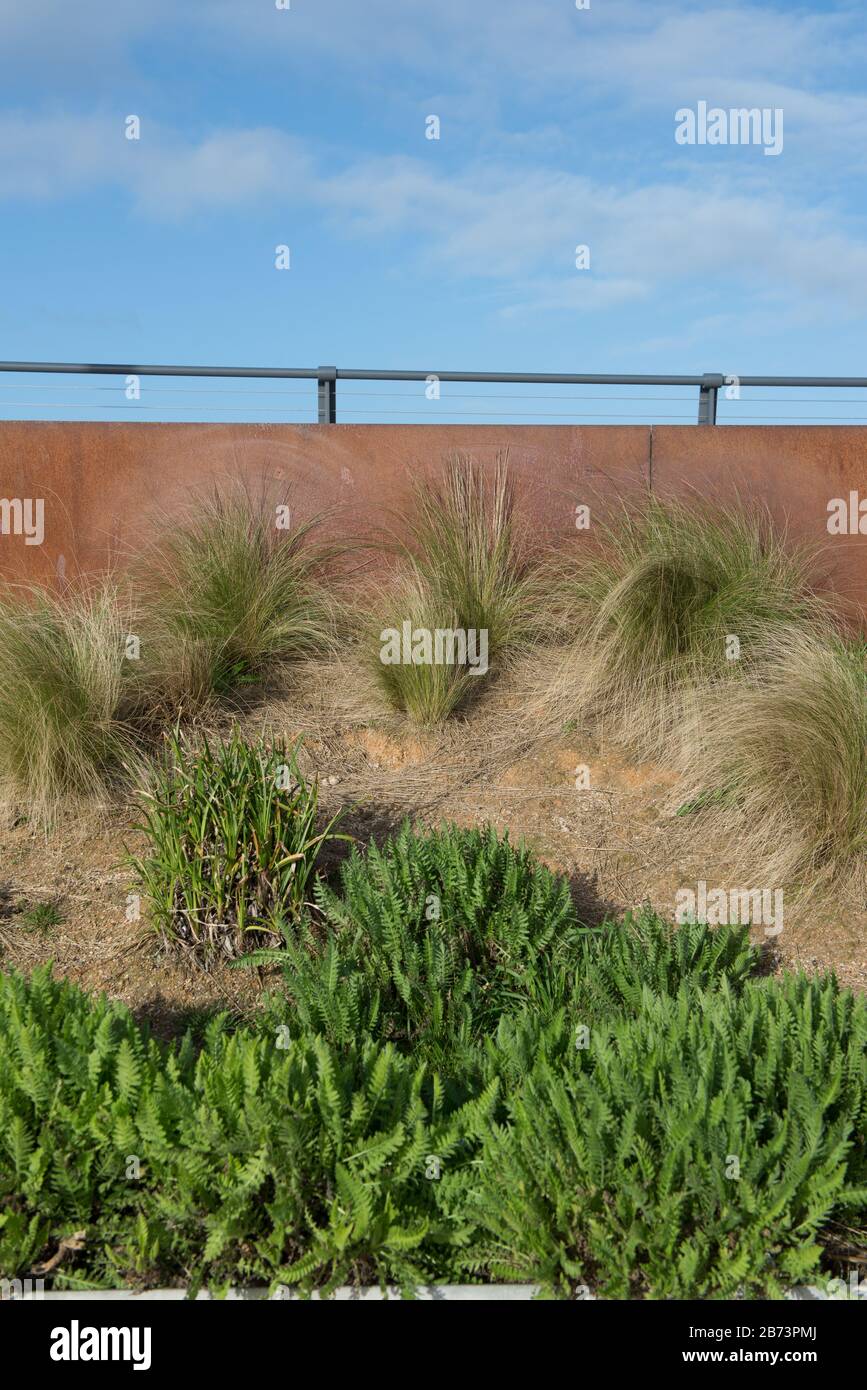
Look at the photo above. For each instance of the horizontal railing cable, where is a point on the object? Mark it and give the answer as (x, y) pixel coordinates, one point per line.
(324, 400)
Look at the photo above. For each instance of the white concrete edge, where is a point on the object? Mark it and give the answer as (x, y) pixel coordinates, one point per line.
(436, 1293)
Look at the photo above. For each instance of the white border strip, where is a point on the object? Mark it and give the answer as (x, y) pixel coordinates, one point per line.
(434, 1293)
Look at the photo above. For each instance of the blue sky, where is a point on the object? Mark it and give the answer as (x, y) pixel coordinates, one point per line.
(306, 127)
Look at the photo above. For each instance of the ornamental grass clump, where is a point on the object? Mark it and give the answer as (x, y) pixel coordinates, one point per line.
(785, 751)
(466, 576)
(465, 543)
(69, 693)
(426, 690)
(667, 601)
(232, 591)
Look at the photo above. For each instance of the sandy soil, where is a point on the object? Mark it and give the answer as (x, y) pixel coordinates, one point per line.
(617, 839)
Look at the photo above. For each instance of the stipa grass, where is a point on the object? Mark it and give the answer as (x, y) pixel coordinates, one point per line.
(666, 601)
(229, 595)
(465, 544)
(233, 839)
(465, 571)
(788, 748)
(426, 691)
(67, 695)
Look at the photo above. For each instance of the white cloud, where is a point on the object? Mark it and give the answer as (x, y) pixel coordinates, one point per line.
(582, 294)
(625, 51)
(510, 225)
(52, 156)
(523, 225)
(492, 53)
(229, 168)
(166, 176)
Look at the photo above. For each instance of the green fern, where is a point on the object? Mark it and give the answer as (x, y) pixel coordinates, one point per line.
(321, 1160)
(694, 1149)
(428, 941)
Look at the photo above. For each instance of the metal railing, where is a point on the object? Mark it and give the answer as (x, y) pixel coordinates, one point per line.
(709, 383)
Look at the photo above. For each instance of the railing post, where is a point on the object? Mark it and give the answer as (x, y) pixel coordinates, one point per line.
(327, 395)
(707, 394)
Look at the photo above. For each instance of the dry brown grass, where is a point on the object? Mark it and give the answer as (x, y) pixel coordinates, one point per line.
(778, 766)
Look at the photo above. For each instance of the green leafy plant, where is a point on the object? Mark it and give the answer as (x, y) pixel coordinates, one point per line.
(233, 839)
(429, 939)
(42, 915)
(694, 1148)
(66, 1063)
(281, 1160)
(695, 1142)
(644, 952)
(261, 1159)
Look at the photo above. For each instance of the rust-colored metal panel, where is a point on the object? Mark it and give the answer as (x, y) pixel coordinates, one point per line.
(109, 487)
(797, 470)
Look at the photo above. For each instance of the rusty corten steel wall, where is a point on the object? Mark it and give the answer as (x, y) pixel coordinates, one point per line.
(796, 470)
(109, 487)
